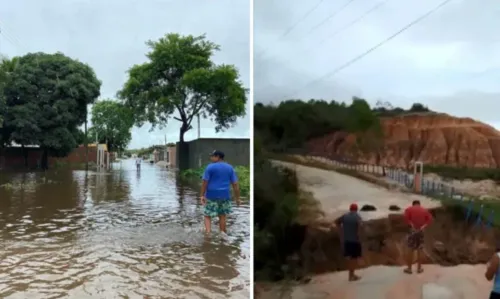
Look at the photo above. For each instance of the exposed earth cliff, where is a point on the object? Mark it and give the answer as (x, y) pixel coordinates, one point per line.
(432, 138)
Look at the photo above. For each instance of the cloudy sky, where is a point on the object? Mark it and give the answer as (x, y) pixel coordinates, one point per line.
(450, 61)
(110, 36)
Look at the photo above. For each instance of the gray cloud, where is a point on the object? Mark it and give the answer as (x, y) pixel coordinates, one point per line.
(449, 61)
(110, 36)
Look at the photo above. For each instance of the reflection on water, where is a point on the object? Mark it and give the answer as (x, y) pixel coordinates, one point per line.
(116, 234)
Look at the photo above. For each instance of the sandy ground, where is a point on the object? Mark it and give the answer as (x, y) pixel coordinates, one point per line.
(383, 282)
(336, 192)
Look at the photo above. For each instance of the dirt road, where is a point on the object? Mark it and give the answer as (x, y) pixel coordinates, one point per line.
(336, 192)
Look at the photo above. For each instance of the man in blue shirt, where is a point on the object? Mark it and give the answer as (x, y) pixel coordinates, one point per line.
(215, 190)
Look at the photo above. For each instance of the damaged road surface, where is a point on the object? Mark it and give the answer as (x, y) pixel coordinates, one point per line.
(456, 252)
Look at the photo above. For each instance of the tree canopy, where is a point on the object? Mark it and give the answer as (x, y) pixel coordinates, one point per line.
(181, 81)
(111, 123)
(7, 66)
(291, 123)
(46, 97)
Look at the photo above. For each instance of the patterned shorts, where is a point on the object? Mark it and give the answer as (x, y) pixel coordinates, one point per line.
(214, 208)
(415, 240)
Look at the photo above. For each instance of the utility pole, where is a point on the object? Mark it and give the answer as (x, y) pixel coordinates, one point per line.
(86, 140)
(198, 117)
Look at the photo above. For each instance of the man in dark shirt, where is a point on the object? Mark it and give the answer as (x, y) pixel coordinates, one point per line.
(350, 226)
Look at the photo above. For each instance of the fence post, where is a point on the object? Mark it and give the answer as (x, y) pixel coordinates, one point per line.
(489, 224)
(478, 220)
(469, 211)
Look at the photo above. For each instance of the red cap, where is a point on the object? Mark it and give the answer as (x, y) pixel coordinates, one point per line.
(353, 207)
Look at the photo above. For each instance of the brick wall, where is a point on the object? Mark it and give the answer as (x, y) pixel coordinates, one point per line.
(13, 157)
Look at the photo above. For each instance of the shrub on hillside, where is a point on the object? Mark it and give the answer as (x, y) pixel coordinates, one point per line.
(463, 173)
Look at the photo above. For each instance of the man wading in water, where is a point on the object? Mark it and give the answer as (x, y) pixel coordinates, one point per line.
(350, 224)
(418, 218)
(215, 190)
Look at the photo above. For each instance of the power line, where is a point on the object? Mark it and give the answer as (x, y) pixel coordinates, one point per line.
(301, 19)
(290, 29)
(347, 26)
(359, 57)
(330, 16)
(354, 22)
(10, 37)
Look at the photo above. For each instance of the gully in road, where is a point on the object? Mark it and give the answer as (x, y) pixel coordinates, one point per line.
(115, 234)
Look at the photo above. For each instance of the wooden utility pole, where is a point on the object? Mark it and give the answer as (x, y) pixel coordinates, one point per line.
(85, 139)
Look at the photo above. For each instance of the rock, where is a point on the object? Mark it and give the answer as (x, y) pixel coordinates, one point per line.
(439, 247)
(394, 208)
(432, 138)
(368, 208)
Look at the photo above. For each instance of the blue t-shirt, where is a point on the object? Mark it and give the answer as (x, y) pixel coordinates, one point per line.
(219, 176)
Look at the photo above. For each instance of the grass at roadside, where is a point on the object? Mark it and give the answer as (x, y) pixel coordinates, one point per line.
(464, 173)
(242, 172)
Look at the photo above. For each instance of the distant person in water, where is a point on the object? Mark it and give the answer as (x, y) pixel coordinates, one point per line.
(350, 227)
(218, 178)
(138, 162)
(418, 218)
(493, 273)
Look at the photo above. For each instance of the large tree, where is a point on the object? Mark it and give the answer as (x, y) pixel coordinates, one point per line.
(181, 81)
(7, 66)
(111, 123)
(47, 96)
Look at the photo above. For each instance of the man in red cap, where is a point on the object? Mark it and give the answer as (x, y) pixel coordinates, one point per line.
(350, 227)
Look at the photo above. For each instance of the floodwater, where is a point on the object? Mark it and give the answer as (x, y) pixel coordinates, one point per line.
(115, 234)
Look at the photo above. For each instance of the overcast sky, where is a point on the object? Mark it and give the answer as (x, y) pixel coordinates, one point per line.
(449, 61)
(110, 36)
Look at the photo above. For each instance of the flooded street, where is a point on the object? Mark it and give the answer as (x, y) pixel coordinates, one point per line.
(115, 234)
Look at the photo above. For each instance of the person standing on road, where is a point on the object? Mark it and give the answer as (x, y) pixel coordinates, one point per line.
(138, 162)
(418, 218)
(218, 178)
(350, 224)
(493, 272)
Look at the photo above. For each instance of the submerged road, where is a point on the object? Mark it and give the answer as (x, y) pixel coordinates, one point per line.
(115, 234)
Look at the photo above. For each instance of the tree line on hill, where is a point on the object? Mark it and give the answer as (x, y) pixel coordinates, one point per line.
(290, 124)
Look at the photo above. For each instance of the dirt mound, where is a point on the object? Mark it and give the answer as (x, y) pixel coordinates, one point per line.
(449, 241)
(437, 139)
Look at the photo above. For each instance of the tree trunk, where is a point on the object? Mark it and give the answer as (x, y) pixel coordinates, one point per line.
(45, 159)
(25, 156)
(182, 150)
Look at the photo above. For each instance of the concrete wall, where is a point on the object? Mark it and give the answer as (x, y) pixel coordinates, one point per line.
(172, 159)
(237, 151)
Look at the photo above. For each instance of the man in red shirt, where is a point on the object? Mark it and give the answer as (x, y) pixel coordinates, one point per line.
(418, 218)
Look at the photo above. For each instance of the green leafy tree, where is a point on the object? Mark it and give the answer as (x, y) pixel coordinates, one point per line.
(47, 97)
(7, 66)
(112, 123)
(180, 81)
(417, 107)
(79, 136)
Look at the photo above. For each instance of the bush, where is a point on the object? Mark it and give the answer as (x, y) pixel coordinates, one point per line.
(242, 172)
(462, 173)
(276, 206)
